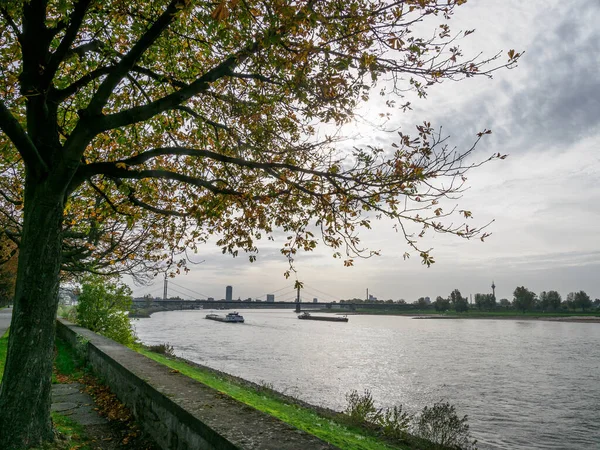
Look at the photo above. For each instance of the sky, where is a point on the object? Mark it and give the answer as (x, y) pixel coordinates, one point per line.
(544, 198)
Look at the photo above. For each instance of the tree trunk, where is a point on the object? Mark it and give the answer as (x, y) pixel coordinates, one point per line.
(25, 392)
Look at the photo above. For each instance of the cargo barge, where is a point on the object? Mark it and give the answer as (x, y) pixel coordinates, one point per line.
(307, 316)
(233, 317)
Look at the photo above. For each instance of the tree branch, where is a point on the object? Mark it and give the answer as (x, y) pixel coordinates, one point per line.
(255, 76)
(13, 129)
(158, 77)
(108, 168)
(62, 94)
(171, 101)
(128, 61)
(11, 23)
(57, 57)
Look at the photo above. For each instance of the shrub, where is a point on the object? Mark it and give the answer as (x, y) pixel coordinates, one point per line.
(361, 408)
(440, 424)
(162, 349)
(103, 307)
(67, 312)
(394, 422)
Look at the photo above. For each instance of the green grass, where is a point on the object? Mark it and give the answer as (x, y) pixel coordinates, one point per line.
(72, 434)
(3, 350)
(305, 419)
(66, 362)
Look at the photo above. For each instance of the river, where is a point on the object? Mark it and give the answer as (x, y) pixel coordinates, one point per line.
(524, 384)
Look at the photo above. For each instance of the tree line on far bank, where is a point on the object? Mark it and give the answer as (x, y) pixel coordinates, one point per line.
(523, 300)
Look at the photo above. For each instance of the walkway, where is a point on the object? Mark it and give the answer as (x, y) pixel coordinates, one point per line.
(71, 401)
(5, 316)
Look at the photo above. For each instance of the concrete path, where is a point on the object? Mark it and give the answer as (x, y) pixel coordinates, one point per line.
(70, 400)
(5, 316)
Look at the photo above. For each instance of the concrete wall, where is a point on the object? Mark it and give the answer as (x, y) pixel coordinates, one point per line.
(178, 412)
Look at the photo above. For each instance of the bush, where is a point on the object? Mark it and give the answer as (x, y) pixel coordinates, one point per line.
(162, 349)
(441, 425)
(394, 423)
(103, 307)
(67, 312)
(361, 411)
(361, 408)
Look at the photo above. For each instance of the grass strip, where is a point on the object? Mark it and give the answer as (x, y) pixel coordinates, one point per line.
(67, 365)
(340, 435)
(3, 351)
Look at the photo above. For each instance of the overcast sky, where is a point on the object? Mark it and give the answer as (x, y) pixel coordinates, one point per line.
(544, 198)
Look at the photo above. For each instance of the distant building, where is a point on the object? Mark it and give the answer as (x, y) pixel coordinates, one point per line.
(372, 297)
(210, 299)
(315, 300)
(229, 293)
(270, 298)
(428, 300)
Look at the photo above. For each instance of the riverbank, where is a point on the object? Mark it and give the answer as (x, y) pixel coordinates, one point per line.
(326, 424)
(591, 317)
(581, 319)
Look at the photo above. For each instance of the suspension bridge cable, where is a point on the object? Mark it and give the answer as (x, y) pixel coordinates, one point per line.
(183, 293)
(324, 293)
(188, 289)
(272, 292)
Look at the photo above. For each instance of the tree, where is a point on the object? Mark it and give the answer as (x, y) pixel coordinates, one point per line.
(485, 301)
(133, 133)
(441, 304)
(505, 303)
(103, 307)
(421, 303)
(459, 303)
(582, 300)
(570, 302)
(524, 299)
(549, 300)
(543, 300)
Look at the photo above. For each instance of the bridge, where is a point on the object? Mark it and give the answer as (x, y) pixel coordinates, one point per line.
(144, 303)
(291, 295)
(152, 305)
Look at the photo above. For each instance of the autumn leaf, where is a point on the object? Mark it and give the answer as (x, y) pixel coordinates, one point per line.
(221, 12)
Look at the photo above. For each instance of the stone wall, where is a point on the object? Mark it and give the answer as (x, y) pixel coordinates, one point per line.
(179, 412)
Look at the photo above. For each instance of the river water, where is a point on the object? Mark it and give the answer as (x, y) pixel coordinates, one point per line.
(523, 384)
